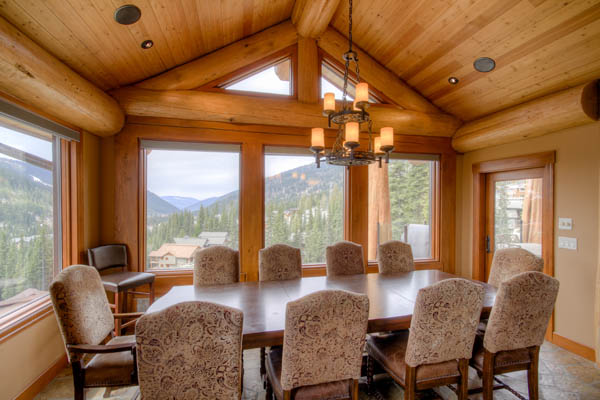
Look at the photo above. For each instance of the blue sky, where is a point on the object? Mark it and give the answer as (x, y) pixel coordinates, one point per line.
(30, 144)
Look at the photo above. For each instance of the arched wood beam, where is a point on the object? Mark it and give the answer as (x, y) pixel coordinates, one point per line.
(32, 75)
(223, 107)
(561, 110)
(376, 74)
(225, 60)
(312, 17)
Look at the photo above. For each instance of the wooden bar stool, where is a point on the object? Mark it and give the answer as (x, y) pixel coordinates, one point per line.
(121, 281)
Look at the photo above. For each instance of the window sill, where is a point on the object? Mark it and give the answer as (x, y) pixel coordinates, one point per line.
(24, 317)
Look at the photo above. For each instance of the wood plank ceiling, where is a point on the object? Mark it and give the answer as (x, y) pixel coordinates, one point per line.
(540, 46)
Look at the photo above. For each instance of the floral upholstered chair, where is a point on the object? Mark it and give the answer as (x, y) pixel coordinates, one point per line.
(512, 261)
(516, 329)
(191, 350)
(344, 258)
(322, 349)
(85, 320)
(395, 256)
(437, 348)
(216, 265)
(279, 262)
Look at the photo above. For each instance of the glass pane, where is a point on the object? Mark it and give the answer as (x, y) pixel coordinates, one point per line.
(401, 205)
(304, 205)
(518, 215)
(190, 204)
(26, 219)
(333, 81)
(275, 79)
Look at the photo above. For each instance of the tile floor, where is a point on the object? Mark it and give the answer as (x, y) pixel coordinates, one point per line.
(562, 376)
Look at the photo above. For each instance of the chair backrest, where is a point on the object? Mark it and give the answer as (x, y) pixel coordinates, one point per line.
(344, 258)
(279, 262)
(109, 256)
(521, 312)
(81, 307)
(395, 256)
(512, 261)
(191, 350)
(444, 322)
(216, 265)
(324, 338)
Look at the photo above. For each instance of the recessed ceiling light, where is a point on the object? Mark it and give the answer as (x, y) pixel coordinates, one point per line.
(453, 80)
(146, 44)
(127, 14)
(484, 64)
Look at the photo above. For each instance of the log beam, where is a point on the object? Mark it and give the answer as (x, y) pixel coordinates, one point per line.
(308, 71)
(376, 74)
(312, 17)
(226, 60)
(32, 75)
(223, 107)
(557, 111)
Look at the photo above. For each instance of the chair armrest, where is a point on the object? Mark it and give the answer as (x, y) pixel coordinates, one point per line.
(101, 348)
(128, 315)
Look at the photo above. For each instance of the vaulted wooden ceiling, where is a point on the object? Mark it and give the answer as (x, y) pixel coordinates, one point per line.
(540, 46)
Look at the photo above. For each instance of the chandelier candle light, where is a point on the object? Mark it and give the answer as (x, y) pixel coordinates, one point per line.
(349, 119)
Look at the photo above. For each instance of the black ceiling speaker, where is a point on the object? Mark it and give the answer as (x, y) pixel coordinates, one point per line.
(127, 14)
(484, 64)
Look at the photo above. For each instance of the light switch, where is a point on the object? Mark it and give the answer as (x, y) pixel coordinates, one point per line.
(565, 224)
(567, 243)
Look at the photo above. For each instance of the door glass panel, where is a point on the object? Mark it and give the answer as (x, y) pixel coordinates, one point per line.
(518, 215)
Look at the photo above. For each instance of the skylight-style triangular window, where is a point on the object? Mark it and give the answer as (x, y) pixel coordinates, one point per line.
(274, 79)
(332, 80)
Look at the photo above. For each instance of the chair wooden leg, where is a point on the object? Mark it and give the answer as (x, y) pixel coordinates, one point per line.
(532, 372)
(151, 291)
(117, 311)
(78, 381)
(463, 386)
(269, 395)
(488, 375)
(370, 369)
(263, 362)
(354, 389)
(410, 383)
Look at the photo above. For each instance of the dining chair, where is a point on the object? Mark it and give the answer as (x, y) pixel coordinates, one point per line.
(191, 350)
(344, 258)
(85, 321)
(512, 261)
(515, 330)
(395, 256)
(216, 265)
(279, 262)
(112, 258)
(437, 348)
(323, 342)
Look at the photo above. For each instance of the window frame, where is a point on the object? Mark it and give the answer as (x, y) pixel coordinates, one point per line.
(143, 187)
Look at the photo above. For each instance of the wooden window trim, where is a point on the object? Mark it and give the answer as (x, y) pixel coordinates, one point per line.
(290, 53)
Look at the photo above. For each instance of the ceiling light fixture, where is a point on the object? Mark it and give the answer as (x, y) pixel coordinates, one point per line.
(349, 119)
(484, 64)
(453, 80)
(127, 14)
(147, 44)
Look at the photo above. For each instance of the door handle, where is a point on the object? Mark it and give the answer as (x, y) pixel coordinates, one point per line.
(487, 245)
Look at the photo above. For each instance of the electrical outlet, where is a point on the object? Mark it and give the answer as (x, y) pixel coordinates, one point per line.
(565, 224)
(567, 243)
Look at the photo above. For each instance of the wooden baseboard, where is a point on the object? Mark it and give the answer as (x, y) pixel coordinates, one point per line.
(44, 379)
(574, 347)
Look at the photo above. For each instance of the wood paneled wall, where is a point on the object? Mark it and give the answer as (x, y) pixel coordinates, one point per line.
(124, 178)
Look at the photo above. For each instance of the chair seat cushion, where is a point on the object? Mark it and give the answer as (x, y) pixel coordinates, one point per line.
(389, 350)
(111, 369)
(328, 391)
(119, 281)
(502, 359)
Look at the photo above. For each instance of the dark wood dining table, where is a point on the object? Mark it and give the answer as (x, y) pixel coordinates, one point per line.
(392, 299)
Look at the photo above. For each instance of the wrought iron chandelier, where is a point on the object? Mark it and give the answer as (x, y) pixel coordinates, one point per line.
(349, 120)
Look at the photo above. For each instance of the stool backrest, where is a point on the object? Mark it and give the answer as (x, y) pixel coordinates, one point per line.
(108, 256)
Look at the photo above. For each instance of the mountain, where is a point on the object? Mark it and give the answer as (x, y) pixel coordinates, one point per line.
(180, 202)
(156, 206)
(204, 203)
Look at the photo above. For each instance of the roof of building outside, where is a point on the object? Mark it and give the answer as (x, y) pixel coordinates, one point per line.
(197, 241)
(177, 250)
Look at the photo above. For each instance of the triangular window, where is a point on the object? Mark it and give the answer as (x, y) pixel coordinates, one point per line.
(274, 79)
(332, 80)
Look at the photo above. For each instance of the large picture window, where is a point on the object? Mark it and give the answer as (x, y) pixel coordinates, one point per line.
(402, 203)
(29, 217)
(304, 205)
(192, 201)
